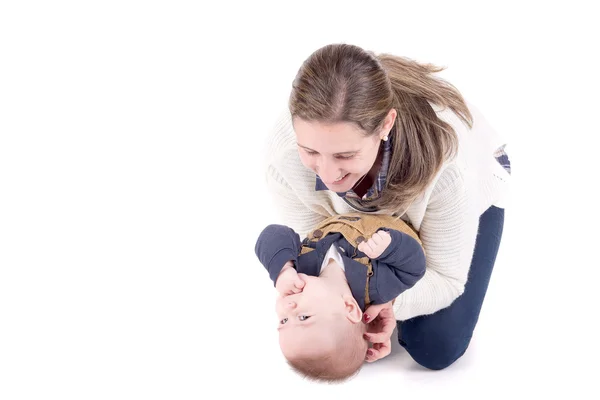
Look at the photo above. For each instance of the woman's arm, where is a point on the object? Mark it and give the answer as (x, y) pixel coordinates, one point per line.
(292, 211)
(448, 234)
(283, 171)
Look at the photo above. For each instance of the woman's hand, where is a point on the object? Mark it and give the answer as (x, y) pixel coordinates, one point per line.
(380, 326)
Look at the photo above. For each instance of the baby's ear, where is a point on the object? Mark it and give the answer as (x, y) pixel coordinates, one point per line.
(353, 311)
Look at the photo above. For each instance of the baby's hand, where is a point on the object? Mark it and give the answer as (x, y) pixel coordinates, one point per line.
(376, 245)
(288, 282)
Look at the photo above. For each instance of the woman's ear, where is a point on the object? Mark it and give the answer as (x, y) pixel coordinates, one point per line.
(352, 310)
(388, 123)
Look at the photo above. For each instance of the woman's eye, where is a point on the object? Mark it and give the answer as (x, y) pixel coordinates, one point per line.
(311, 153)
(283, 321)
(303, 317)
(345, 157)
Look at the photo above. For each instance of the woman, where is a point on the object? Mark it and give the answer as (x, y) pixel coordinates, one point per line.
(382, 134)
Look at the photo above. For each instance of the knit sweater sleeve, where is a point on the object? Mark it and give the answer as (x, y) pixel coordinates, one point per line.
(448, 233)
(292, 211)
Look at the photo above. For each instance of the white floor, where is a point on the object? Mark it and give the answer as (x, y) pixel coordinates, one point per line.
(131, 195)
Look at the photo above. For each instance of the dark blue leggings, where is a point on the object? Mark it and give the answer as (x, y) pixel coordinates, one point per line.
(435, 341)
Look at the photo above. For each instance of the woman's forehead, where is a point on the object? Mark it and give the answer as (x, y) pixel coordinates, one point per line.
(336, 138)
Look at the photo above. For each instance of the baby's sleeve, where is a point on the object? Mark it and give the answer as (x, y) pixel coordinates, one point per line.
(276, 245)
(400, 266)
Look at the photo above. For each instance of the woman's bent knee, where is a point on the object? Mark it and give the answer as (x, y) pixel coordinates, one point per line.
(438, 356)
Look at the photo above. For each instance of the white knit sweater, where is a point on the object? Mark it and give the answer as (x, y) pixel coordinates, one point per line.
(446, 216)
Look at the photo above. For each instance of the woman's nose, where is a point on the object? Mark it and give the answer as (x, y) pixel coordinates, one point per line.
(328, 172)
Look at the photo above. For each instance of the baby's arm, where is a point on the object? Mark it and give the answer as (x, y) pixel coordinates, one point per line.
(276, 245)
(400, 265)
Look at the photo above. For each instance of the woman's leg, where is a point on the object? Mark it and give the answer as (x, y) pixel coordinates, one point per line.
(435, 341)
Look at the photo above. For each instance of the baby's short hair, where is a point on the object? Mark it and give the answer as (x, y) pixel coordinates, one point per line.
(341, 363)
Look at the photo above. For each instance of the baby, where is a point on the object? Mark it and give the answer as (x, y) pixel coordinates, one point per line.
(325, 283)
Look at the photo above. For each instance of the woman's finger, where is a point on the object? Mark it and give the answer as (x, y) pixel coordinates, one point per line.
(372, 312)
(379, 351)
(388, 321)
(384, 349)
(376, 337)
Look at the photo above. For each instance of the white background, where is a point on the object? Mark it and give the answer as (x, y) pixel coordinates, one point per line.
(131, 193)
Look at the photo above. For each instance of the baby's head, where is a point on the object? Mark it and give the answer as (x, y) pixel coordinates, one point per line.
(320, 330)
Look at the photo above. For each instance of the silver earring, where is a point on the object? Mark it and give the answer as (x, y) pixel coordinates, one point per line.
(385, 138)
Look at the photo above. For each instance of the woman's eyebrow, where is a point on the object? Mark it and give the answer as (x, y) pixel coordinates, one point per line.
(304, 147)
(336, 154)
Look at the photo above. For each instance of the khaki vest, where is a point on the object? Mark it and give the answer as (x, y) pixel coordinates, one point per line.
(356, 228)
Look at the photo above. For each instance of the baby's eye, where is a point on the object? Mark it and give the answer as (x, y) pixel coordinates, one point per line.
(283, 321)
(303, 317)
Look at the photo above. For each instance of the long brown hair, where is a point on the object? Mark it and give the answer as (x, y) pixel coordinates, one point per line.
(344, 83)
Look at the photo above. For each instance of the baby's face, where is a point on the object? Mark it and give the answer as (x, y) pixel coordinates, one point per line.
(308, 320)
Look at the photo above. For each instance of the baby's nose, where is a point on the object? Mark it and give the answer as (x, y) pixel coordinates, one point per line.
(290, 305)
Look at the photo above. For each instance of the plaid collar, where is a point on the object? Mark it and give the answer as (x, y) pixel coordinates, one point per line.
(374, 191)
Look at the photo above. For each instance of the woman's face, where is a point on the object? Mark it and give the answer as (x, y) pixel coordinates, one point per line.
(339, 153)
